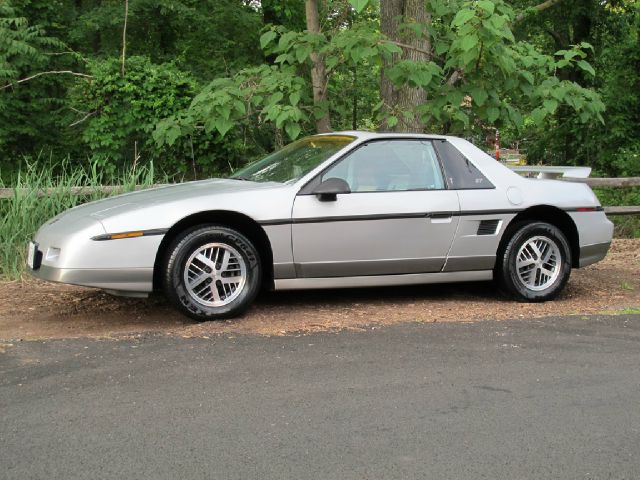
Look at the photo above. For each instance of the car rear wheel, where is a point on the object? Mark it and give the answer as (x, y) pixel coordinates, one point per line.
(212, 272)
(536, 262)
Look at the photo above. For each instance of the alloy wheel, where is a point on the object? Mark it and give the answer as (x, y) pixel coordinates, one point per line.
(215, 274)
(538, 263)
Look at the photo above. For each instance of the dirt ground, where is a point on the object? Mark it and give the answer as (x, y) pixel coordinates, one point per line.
(39, 310)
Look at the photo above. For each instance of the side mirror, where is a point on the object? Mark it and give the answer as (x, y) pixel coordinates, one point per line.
(328, 190)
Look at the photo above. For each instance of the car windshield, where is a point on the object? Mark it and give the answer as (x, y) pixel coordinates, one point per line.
(295, 160)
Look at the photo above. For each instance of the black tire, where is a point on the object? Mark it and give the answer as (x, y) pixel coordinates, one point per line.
(242, 257)
(533, 284)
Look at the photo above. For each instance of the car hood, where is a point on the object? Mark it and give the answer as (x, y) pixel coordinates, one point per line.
(108, 207)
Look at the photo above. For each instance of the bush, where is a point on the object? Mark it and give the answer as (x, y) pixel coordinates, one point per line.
(122, 111)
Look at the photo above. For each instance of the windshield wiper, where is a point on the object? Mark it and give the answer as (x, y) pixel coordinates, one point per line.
(243, 179)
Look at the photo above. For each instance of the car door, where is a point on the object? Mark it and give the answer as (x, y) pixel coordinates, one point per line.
(398, 218)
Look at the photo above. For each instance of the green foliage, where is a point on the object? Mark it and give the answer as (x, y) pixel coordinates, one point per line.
(626, 226)
(22, 214)
(260, 94)
(618, 196)
(482, 76)
(27, 117)
(288, 13)
(275, 95)
(611, 28)
(118, 113)
(205, 37)
(217, 82)
(359, 5)
(21, 45)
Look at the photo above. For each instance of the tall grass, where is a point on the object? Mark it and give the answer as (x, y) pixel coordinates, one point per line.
(43, 191)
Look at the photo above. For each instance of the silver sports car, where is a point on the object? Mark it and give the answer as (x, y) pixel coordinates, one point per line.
(349, 209)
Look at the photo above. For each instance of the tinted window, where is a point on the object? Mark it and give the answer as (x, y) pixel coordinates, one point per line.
(461, 173)
(390, 165)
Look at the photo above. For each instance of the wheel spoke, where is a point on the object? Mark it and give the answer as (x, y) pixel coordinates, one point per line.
(546, 271)
(225, 261)
(536, 248)
(207, 261)
(525, 263)
(198, 280)
(215, 293)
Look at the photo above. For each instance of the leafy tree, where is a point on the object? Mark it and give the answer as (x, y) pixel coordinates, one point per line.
(216, 82)
(472, 72)
(476, 74)
(612, 28)
(202, 38)
(260, 94)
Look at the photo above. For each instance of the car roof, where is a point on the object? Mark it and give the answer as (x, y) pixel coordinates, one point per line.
(364, 135)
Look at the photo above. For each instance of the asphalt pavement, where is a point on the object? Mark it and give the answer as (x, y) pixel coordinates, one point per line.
(527, 399)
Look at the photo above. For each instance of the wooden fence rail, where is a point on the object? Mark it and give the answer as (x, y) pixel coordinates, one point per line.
(46, 192)
(606, 182)
(632, 210)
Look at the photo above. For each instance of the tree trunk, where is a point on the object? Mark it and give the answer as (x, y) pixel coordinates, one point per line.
(389, 10)
(404, 99)
(319, 70)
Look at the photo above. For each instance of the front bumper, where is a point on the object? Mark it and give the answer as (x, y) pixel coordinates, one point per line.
(122, 281)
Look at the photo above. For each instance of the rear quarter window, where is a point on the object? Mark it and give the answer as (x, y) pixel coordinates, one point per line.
(460, 172)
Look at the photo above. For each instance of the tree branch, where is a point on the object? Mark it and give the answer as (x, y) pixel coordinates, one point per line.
(560, 43)
(81, 112)
(455, 76)
(53, 54)
(52, 72)
(69, 52)
(88, 115)
(538, 8)
(409, 47)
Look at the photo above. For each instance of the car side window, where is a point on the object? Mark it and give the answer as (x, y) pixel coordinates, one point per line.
(461, 173)
(390, 165)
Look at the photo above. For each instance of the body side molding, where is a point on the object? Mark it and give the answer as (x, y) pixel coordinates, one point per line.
(382, 280)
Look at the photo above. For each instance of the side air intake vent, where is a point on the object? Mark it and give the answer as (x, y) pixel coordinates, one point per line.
(488, 227)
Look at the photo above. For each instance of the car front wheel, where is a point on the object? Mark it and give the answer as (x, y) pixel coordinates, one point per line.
(536, 262)
(212, 272)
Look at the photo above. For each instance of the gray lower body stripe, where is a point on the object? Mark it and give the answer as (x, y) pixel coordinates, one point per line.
(472, 263)
(369, 267)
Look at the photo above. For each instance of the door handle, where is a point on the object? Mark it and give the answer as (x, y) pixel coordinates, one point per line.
(440, 217)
